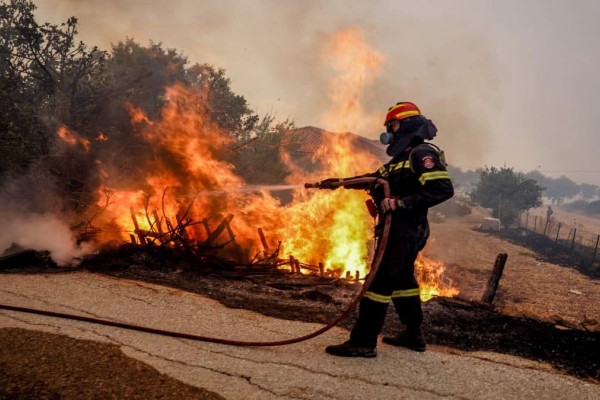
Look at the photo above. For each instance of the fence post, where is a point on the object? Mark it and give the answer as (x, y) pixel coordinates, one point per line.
(546, 226)
(557, 232)
(595, 250)
(492, 284)
(573, 242)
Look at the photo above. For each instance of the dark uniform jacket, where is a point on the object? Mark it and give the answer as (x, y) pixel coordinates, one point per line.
(418, 177)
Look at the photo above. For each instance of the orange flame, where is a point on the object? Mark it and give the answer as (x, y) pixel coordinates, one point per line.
(72, 138)
(431, 278)
(356, 65)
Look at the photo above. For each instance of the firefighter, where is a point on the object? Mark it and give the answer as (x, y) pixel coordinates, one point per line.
(418, 180)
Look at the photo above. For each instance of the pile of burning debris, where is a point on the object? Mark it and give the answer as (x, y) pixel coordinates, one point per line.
(220, 247)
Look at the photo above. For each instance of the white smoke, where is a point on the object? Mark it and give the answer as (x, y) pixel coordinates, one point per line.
(41, 232)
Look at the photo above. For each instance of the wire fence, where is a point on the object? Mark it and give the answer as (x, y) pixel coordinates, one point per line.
(572, 238)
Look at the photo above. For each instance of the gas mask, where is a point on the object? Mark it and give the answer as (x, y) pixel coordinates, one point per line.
(387, 137)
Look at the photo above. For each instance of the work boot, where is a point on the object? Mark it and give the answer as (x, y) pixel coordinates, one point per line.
(413, 340)
(347, 349)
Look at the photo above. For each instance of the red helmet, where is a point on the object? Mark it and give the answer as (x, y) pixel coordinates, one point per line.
(401, 110)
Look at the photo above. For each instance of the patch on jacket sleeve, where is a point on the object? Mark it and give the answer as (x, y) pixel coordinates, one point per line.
(428, 162)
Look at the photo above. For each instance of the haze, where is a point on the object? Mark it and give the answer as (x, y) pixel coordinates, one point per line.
(511, 83)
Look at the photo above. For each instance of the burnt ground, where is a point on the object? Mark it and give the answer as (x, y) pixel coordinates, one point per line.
(458, 324)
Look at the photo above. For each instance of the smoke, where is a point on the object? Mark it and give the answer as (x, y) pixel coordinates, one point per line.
(41, 232)
(34, 210)
(272, 52)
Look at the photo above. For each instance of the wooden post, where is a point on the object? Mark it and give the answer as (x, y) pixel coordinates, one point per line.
(595, 251)
(137, 231)
(158, 223)
(263, 240)
(557, 232)
(292, 264)
(569, 237)
(321, 269)
(492, 285)
(206, 227)
(573, 242)
(228, 227)
(222, 226)
(357, 276)
(297, 262)
(132, 238)
(348, 275)
(546, 226)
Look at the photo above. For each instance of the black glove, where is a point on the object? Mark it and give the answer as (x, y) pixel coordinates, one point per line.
(329, 183)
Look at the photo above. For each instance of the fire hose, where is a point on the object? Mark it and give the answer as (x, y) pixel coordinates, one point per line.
(351, 307)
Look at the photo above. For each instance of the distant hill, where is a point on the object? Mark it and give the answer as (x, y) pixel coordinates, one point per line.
(312, 138)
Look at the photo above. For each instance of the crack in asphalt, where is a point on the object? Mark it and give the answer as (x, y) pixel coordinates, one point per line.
(55, 304)
(321, 372)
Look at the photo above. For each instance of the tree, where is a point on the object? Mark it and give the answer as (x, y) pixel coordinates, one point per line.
(560, 189)
(588, 191)
(47, 79)
(506, 193)
(230, 111)
(557, 189)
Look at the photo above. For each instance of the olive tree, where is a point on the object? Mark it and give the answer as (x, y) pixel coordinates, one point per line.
(506, 193)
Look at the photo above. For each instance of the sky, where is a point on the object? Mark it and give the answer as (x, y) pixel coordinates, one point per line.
(508, 83)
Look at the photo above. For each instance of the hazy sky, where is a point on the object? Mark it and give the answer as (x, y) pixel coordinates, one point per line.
(513, 83)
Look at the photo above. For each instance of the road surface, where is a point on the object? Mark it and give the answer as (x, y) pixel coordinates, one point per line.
(298, 371)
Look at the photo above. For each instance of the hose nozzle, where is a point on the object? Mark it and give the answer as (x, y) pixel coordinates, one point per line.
(313, 185)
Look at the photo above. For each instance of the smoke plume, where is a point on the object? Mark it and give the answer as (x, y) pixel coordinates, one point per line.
(41, 232)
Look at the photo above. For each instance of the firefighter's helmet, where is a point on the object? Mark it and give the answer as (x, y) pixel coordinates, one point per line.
(401, 110)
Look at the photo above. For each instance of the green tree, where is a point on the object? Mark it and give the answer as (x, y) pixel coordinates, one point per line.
(47, 79)
(506, 193)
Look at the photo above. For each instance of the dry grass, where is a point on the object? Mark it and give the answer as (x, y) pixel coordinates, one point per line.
(530, 287)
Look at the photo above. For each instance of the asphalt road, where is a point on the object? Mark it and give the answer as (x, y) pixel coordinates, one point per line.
(298, 371)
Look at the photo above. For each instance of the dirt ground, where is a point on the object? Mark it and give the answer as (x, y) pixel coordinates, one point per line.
(542, 311)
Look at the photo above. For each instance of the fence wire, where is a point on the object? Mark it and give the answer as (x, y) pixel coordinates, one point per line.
(571, 237)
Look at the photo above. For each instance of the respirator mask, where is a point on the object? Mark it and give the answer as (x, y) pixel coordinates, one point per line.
(387, 137)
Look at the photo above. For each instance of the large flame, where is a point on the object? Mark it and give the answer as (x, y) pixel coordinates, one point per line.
(187, 179)
(355, 65)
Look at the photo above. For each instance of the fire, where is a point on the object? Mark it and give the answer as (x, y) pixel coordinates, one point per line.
(72, 138)
(356, 65)
(432, 282)
(337, 227)
(184, 163)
